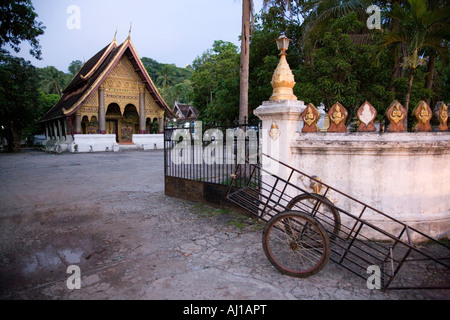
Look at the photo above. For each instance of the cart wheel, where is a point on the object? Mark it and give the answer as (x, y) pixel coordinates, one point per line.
(320, 208)
(296, 244)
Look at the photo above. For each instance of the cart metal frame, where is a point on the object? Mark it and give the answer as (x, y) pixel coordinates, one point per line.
(406, 257)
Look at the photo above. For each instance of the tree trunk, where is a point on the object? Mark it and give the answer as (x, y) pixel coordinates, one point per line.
(13, 137)
(398, 71)
(408, 93)
(245, 61)
(430, 73)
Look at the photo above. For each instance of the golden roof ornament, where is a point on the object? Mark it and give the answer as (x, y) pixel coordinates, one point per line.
(283, 80)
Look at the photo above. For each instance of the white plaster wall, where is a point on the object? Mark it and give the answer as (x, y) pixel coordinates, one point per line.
(149, 141)
(405, 175)
(58, 145)
(94, 143)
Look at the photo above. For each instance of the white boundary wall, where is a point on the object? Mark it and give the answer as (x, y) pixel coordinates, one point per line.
(149, 141)
(405, 175)
(94, 143)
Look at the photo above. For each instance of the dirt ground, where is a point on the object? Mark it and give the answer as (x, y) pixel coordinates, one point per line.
(107, 214)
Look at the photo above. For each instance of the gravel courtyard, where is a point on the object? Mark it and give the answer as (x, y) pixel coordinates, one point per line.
(107, 214)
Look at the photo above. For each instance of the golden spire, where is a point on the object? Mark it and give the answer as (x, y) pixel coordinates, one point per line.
(283, 80)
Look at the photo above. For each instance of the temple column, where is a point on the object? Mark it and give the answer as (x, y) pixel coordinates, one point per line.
(66, 127)
(160, 125)
(46, 131)
(60, 133)
(69, 129)
(142, 109)
(55, 129)
(78, 123)
(101, 110)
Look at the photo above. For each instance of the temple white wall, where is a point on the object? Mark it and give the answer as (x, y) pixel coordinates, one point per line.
(149, 141)
(100, 143)
(405, 175)
(94, 143)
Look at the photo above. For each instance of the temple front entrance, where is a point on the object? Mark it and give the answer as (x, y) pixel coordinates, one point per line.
(129, 124)
(112, 128)
(122, 125)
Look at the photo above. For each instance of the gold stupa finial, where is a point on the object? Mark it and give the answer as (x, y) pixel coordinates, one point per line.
(283, 81)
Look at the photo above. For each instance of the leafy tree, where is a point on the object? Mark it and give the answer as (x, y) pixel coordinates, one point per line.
(344, 70)
(215, 83)
(47, 101)
(75, 66)
(172, 82)
(18, 23)
(180, 92)
(152, 67)
(445, 86)
(19, 98)
(342, 62)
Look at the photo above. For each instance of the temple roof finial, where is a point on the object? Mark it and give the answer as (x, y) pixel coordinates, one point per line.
(129, 32)
(115, 34)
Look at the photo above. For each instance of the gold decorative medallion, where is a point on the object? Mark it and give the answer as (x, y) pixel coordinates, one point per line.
(396, 114)
(423, 115)
(310, 117)
(274, 132)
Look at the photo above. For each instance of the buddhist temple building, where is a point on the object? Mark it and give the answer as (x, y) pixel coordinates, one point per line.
(111, 102)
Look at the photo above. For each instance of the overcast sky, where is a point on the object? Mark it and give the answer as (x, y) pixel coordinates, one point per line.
(169, 31)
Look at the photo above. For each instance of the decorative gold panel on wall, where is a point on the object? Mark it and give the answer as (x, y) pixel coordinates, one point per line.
(122, 87)
(151, 108)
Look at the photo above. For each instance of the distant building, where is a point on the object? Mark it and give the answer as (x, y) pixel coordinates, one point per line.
(184, 112)
(112, 100)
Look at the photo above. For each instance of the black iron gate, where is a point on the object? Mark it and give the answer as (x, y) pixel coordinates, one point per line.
(199, 159)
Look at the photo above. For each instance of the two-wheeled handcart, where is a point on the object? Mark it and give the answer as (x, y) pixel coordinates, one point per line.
(308, 223)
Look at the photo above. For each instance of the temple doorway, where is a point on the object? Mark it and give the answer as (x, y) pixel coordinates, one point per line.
(113, 115)
(112, 128)
(129, 124)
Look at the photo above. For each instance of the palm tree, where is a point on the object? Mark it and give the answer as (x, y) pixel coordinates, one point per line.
(247, 26)
(319, 12)
(165, 75)
(53, 81)
(247, 19)
(419, 26)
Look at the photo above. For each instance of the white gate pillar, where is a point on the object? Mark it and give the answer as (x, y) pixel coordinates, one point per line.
(282, 114)
(281, 119)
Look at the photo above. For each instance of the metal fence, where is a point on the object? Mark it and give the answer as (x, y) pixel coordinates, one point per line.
(210, 153)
